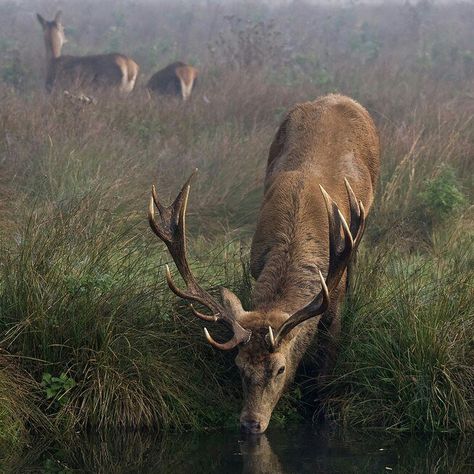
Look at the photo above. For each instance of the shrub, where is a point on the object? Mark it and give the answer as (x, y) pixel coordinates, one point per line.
(441, 196)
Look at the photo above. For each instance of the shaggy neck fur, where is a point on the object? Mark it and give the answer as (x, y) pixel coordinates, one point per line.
(289, 277)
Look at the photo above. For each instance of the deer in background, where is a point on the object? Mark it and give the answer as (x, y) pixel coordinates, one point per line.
(175, 79)
(319, 186)
(103, 70)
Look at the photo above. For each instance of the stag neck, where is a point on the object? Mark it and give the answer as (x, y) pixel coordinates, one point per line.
(297, 285)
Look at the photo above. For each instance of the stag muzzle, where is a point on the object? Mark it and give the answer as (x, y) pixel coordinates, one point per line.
(253, 424)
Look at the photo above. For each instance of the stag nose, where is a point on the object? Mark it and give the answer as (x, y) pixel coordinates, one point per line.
(250, 426)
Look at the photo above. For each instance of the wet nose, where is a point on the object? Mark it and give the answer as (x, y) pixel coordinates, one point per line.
(250, 426)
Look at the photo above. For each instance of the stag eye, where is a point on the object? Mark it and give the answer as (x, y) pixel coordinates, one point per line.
(281, 370)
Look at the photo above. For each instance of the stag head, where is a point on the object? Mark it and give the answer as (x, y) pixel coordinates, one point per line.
(269, 348)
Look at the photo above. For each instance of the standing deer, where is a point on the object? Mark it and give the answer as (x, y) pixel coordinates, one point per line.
(175, 79)
(321, 173)
(103, 70)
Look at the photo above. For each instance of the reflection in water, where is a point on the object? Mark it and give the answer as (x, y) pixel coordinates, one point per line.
(258, 456)
(289, 451)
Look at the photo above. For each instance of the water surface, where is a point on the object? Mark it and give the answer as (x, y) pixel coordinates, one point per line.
(290, 451)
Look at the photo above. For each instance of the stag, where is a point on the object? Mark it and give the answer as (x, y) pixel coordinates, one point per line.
(104, 70)
(319, 186)
(175, 79)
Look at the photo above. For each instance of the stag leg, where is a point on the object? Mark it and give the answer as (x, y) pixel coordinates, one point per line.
(327, 342)
(329, 331)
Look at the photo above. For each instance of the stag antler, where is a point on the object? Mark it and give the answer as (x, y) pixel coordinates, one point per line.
(340, 252)
(172, 231)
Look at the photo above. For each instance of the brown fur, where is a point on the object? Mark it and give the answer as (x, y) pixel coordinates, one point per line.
(104, 70)
(175, 79)
(320, 142)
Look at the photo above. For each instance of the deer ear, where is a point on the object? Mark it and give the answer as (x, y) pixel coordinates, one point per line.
(41, 20)
(58, 16)
(231, 302)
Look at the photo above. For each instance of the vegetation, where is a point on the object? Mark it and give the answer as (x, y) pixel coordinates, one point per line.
(406, 358)
(90, 336)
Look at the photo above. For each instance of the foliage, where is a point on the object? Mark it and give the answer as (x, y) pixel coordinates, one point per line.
(56, 389)
(407, 357)
(441, 196)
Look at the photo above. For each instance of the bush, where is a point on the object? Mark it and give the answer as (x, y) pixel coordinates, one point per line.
(441, 196)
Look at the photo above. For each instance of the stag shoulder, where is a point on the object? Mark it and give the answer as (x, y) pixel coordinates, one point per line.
(331, 135)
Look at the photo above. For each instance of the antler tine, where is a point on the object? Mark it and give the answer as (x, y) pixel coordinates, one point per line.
(337, 257)
(361, 229)
(204, 317)
(171, 229)
(180, 204)
(354, 208)
(172, 213)
(186, 295)
(241, 336)
(151, 217)
(357, 211)
(154, 197)
(317, 306)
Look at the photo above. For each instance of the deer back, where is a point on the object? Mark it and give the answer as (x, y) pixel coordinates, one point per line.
(103, 70)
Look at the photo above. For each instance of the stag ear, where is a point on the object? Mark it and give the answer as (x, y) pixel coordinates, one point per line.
(58, 16)
(231, 302)
(41, 20)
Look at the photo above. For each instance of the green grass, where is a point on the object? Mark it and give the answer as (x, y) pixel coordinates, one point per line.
(20, 412)
(407, 355)
(101, 315)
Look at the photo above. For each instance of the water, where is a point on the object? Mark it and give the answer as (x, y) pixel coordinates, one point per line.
(290, 451)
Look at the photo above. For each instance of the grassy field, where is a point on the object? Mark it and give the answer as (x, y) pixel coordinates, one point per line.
(90, 336)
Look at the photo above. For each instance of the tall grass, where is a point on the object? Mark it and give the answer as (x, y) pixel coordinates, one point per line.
(407, 358)
(96, 337)
(89, 301)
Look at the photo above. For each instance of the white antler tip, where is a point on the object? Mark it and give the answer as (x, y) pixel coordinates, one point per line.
(271, 337)
(151, 209)
(326, 196)
(323, 284)
(346, 227)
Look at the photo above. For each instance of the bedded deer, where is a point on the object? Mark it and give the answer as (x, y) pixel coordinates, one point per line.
(103, 70)
(175, 79)
(319, 186)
